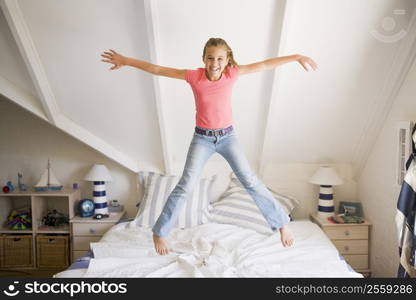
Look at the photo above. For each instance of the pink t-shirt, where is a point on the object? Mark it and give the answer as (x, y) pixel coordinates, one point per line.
(212, 98)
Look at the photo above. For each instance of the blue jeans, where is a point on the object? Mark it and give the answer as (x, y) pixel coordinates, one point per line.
(201, 149)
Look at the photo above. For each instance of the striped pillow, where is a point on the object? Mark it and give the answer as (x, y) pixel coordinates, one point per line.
(236, 207)
(157, 188)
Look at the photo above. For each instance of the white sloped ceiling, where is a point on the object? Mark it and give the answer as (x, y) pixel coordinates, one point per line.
(117, 106)
(322, 117)
(284, 115)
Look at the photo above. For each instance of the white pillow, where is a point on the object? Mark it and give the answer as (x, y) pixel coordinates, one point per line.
(236, 207)
(288, 203)
(157, 188)
(219, 186)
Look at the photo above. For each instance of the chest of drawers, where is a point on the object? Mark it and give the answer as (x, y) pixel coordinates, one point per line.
(88, 230)
(351, 240)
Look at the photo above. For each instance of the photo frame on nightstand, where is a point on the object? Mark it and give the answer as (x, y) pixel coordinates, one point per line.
(350, 208)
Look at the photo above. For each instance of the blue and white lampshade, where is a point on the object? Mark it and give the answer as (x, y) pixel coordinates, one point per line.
(326, 177)
(99, 174)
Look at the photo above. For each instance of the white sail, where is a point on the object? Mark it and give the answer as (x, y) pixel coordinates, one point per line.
(48, 179)
(44, 179)
(52, 178)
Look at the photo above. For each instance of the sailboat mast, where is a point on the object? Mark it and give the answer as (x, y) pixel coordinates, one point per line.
(49, 176)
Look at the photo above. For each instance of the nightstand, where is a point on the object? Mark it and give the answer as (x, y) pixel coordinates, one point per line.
(351, 240)
(88, 230)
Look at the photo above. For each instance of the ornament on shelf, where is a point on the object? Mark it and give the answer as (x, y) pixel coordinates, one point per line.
(48, 181)
(19, 220)
(10, 185)
(6, 189)
(22, 186)
(55, 218)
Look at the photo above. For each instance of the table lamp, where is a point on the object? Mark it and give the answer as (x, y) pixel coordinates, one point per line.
(99, 174)
(326, 177)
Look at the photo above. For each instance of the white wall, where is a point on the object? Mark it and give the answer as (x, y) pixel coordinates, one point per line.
(377, 188)
(26, 143)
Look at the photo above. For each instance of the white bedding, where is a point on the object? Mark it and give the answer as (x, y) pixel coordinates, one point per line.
(214, 250)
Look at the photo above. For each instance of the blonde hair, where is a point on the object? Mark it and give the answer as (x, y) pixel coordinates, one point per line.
(215, 42)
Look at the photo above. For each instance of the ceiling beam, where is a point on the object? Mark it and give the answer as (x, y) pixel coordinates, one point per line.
(387, 94)
(284, 12)
(21, 97)
(31, 57)
(154, 45)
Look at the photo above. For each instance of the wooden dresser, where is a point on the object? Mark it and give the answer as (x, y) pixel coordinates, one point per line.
(351, 240)
(88, 230)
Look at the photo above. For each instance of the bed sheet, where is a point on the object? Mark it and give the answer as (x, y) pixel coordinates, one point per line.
(214, 250)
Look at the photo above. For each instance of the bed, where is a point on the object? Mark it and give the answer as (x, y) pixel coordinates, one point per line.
(224, 237)
(212, 250)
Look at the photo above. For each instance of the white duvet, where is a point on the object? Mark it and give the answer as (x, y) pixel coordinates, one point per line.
(214, 250)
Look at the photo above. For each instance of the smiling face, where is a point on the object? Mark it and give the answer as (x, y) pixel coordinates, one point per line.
(216, 60)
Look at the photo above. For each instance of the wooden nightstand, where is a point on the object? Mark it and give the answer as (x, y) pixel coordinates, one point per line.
(351, 240)
(87, 230)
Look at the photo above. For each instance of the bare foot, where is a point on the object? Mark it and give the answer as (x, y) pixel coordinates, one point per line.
(161, 246)
(286, 237)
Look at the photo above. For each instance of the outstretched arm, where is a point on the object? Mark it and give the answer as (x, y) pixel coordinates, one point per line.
(277, 61)
(119, 61)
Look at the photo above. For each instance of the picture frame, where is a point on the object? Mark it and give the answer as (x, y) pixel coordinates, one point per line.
(352, 208)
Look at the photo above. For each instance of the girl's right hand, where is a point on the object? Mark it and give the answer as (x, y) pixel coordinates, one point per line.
(114, 58)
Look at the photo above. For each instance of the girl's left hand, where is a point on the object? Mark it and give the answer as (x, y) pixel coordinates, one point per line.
(304, 61)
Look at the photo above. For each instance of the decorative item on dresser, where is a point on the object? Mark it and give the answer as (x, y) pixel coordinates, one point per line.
(351, 240)
(99, 174)
(86, 208)
(87, 230)
(326, 177)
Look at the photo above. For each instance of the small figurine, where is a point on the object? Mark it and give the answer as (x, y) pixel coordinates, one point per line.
(6, 189)
(10, 186)
(22, 187)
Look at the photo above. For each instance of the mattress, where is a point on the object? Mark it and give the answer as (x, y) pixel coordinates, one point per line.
(212, 250)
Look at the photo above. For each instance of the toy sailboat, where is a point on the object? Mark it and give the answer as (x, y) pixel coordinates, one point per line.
(48, 181)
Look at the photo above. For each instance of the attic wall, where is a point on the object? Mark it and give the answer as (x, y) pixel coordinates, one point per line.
(26, 143)
(377, 187)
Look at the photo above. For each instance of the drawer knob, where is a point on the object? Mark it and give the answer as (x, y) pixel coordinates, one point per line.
(347, 232)
(92, 230)
(346, 248)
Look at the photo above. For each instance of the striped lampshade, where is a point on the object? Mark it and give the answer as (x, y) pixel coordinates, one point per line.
(99, 174)
(326, 177)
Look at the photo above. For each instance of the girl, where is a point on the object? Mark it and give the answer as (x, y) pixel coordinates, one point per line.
(214, 132)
